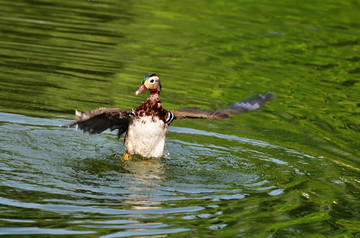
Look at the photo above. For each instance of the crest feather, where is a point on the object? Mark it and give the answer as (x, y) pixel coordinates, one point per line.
(146, 77)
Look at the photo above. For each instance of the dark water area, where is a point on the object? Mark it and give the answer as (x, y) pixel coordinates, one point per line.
(290, 169)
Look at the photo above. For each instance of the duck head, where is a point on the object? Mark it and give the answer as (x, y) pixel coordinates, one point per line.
(150, 82)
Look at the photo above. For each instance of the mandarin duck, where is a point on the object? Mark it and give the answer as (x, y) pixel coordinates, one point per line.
(146, 126)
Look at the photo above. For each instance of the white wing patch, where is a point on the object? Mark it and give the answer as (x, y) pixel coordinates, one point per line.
(248, 105)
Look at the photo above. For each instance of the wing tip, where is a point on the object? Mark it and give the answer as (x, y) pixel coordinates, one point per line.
(78, 116)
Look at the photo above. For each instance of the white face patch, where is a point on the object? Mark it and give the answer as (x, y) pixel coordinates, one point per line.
(153, 79)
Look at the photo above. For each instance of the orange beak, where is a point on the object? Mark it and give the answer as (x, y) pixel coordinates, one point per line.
(141, 89)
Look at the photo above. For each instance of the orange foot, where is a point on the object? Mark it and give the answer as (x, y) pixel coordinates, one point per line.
(126, 157)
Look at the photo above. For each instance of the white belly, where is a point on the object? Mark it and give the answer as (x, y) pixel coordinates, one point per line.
(146, 137)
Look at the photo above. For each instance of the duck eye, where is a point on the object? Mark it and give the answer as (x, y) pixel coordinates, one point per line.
(151, 81)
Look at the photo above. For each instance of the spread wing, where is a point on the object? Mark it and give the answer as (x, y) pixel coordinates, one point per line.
(246, 105)
(97, 121)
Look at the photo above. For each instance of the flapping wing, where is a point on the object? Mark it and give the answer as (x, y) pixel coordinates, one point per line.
(97, 121)
(194, 112)
(246, 105)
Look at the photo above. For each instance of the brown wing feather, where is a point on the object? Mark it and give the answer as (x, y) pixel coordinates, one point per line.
(194, 112)
(97, 121)
(246, 105)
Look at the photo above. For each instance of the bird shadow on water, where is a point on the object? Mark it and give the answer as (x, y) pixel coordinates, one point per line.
(136, 167)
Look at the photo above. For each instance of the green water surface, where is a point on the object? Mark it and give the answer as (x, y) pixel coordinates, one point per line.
(290, 169)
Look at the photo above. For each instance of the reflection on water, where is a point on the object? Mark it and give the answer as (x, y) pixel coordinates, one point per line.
(146, 174)
(289, 169)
